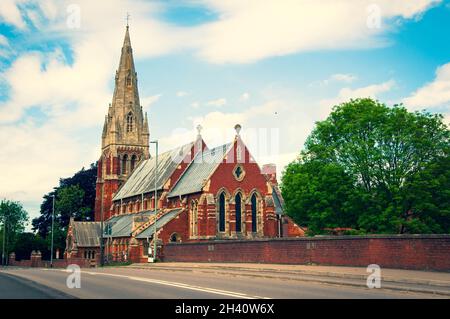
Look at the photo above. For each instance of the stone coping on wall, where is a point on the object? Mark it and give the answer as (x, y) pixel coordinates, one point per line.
(315, 238)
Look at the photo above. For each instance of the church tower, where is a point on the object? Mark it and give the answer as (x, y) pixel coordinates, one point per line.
(125, 137)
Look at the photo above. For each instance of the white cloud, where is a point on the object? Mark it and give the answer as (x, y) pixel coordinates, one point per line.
(368, 91)
(406, 9)
(273, 28)
(336, 78)
(217, 103)
(266, 28)
(3, 40)
(269, 130)
(245, 96)
(71, 100)
(195, 104)
(433, 94)
(10, 13)
(35, 157)
(58, 87)
(182, 93)
(347, 78)
(346, 94)
(146, 102)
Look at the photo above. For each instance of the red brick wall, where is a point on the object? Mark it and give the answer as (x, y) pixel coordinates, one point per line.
(402, 251)
(223, 176)
(179, 225)
(291, 229)
(57, 263)
(109, 188)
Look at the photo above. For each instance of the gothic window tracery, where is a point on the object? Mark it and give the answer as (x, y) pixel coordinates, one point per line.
(194, 217)
(239, 172)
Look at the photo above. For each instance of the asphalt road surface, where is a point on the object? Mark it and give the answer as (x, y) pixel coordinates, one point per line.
(121, 282)
(14, 287)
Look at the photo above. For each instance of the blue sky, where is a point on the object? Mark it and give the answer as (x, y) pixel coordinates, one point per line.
(275, 67)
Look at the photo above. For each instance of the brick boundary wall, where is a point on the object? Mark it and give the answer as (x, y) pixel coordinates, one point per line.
(420, 252)
(36, 261)
(57, 263)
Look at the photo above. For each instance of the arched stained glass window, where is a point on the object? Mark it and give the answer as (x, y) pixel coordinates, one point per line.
(222, 212)
(238, 207)
(254, 202)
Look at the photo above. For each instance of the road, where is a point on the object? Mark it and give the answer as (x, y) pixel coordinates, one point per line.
(14, 287)
(122, 282)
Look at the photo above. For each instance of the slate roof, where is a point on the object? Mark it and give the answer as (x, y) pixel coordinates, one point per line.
(277, 199)
(121, 225)
(199, 171)
(87, 234)
(163, 220)
(142, 180)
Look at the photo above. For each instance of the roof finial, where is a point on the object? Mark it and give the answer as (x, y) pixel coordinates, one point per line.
(237, 128)
(199, 130)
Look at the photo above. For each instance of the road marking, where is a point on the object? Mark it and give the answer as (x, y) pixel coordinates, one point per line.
(177, 284)
(180, 285)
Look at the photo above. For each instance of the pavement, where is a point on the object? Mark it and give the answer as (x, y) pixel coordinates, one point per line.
(397, 279)
(206, 281)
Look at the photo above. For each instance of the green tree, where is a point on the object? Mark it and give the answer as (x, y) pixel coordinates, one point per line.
(319, 196)
(26, 243)
(13, 219)
(68, 204)
(85, 179)
(387, 152)
(427, 199)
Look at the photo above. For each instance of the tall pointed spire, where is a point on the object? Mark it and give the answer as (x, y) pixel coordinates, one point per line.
(125, 112)
(126, 40)
(126, 93)
(125, 137)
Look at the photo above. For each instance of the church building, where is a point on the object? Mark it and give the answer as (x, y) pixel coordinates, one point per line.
(191, 193)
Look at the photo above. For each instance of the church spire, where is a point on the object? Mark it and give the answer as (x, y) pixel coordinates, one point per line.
(126, 119)
(126, 93)
(125, 136)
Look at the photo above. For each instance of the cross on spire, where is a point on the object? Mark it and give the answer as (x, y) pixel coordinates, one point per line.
(128, 18)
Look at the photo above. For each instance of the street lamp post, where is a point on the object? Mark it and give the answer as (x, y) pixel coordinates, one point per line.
(53, 221)
(102, 249)
(156, 200)
(4, 240)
